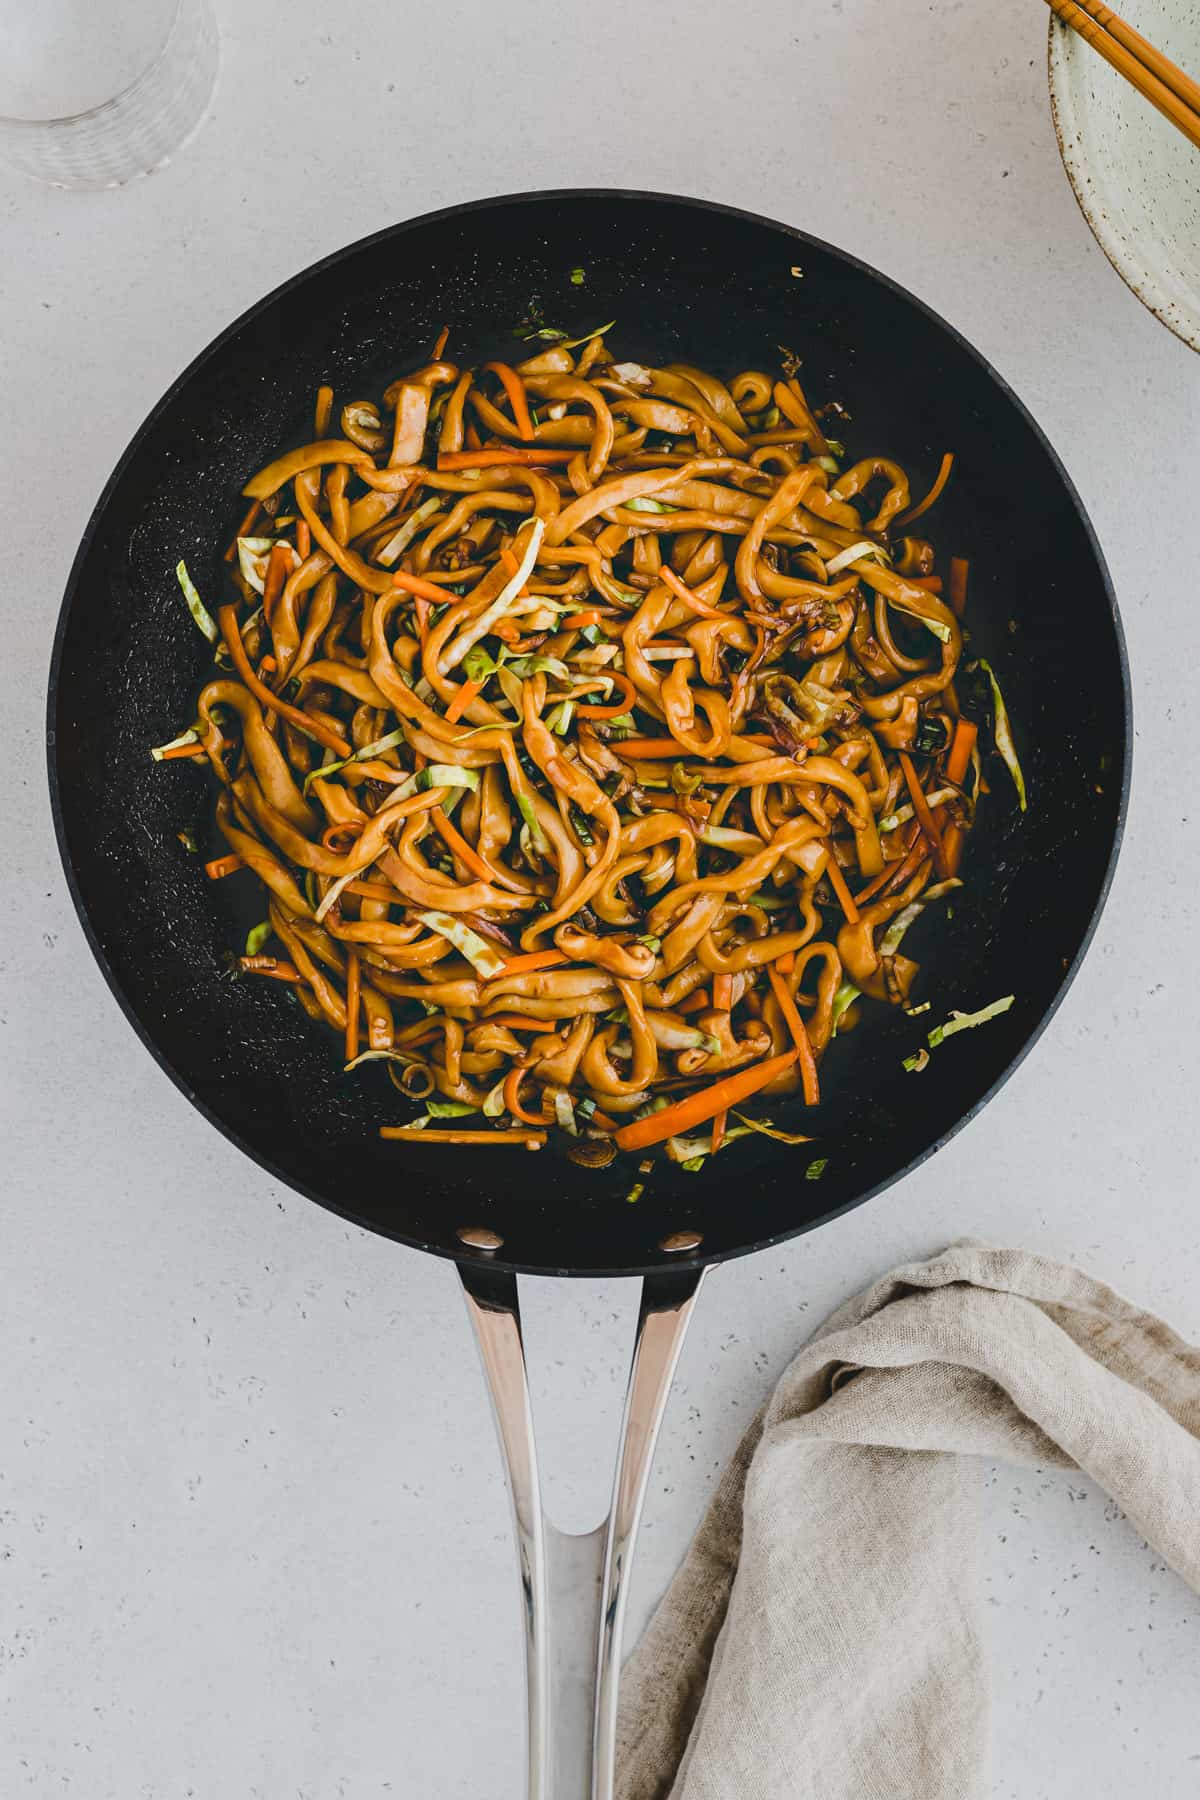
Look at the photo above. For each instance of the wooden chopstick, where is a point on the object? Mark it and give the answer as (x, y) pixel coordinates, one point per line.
(1154, 75)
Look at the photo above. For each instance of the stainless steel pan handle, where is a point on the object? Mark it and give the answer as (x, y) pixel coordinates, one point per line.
(574, 1587)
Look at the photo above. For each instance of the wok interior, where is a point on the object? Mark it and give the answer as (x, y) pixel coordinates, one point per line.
(683, 282)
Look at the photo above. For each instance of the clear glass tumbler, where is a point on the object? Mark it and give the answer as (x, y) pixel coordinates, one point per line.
(94, 92)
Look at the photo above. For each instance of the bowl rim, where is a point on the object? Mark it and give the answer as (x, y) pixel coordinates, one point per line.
(1062, 45)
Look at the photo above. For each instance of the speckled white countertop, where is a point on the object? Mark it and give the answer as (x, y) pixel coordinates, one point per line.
(254, 1542)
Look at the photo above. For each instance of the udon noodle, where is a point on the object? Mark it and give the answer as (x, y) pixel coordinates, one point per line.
(592, 730)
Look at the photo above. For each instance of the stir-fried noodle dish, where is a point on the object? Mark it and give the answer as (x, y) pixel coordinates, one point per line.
(595, 732)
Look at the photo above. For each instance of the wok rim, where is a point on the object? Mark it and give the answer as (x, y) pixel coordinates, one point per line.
(465, 1255)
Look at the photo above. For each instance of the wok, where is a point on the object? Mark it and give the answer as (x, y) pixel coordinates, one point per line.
(685, 281)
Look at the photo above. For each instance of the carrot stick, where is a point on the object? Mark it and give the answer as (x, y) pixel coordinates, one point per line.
(722, 993)
(700, 1001)
(181, 750)
(415, 584)
(512, 1140)
(718, 1131)
(957, 764)
(800, 1037)
(222, 866)
(787, 962)
(508, 561)
(494, 457)
(324, 734)
(243, 529)
(925, 818)
(353, 1000)
(961, 746)
(527, 964)
(512, 1099)
(611, 711)
(958, 584)
(466, 853)
(462, 700)
(681, 592)
(837, 882)
(578, 620)
(698, 1108)
(514, 387)
(895, 874)
(303, 540)
(923, 506)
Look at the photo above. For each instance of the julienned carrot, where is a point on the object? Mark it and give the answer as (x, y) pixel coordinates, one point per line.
(303, 540)
(414, 584)
(222, 866)
(957, 764)
(243, 529)
(786, 963)
(961, 746)
(722, 993)
(698, 1108)
(923, 506)
(512, 1099)
(896, 873)
(180, 750)
(837, 882)
(508, 560)
(466, 853)
(353, 997)
(492, 458)
(514, 387)
(324, 734)
(466, 693)
(925, 818)
(611, 710)
(528, 964)
(512, 1140)
(699, 1001)
(958, 584)
(795, 1024)
(578, 620)
(681, 592)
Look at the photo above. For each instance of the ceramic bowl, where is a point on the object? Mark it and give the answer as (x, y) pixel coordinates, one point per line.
(1136, 178)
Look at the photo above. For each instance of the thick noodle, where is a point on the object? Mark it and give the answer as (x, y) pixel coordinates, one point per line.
(593, 733)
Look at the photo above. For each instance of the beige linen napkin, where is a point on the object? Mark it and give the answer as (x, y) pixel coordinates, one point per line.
(823, 1637)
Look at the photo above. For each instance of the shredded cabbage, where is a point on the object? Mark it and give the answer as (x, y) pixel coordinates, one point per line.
(493, 1105)
(853, 553)
(843, 1000)
(643, 504)
(505, 599)
(159, 751)
(960, 1021)
(892, 938)
(815, 1170)
(195, 604)
(257, 936)
(478, 952)
(397, 545)
(772, 1131)
(1003, 733)
(252, 553)
(390, 742)
(564, 1112)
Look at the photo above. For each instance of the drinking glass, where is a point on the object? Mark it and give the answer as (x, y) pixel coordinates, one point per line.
(93, 92)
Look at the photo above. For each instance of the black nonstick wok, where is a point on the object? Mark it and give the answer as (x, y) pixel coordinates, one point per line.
(684, 281)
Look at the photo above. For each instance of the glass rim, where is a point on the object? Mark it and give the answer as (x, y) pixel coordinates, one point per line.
(56, 120)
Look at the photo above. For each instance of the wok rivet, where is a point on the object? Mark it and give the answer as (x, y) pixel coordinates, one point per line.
(479, 1237)
(682, 1240)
